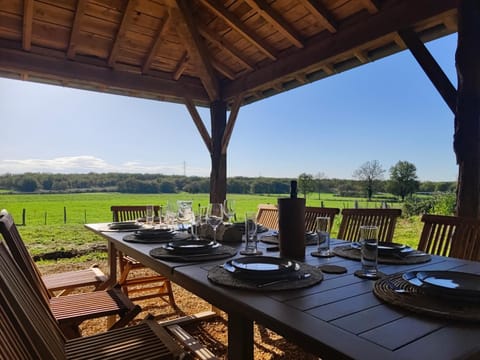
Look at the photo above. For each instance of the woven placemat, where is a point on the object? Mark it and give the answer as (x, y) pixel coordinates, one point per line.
(222, 252)
(414, 299)
(416, 257)
(219, 275)
(160, 240)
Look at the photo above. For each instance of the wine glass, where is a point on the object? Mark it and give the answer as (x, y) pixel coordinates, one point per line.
(229, 209)
(215, 217)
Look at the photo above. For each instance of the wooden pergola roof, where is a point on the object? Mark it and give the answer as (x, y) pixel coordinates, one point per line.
(206, 50)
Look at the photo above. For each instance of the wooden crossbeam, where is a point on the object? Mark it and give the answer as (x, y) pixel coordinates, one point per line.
(197, 48)
(122, 29)
(431, 67)
(276, 20)
(181, 66)
(79, 12)
(219, 10)
(225, 46)
(371, 5)
(27, 24)
(223, 69)
(322, 14)
(157, 44)
(199, 123)
(232, 118)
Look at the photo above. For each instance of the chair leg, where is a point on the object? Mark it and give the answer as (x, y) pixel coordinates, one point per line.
(126, 318)
(70, 330)
(171, 298)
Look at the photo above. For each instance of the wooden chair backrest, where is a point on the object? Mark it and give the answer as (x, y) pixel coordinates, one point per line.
(131, 212)
(352, 219)
(28, 329)
(267, 215)
(20, 253)
(311, 214)
(450, 236)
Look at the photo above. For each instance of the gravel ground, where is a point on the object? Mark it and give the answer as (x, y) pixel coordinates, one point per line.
(212, 333)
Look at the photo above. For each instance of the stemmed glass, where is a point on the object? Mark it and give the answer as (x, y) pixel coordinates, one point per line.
(215, 217)
(229, 208)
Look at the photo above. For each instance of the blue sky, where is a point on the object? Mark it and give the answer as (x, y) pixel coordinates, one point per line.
(386, 110)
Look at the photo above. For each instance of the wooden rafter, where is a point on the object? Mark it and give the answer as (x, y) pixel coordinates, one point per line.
(181, 66)
(431, 68)
(396, 17)
(27, 24)
(156, 44)
(199, 123)
(122, 29)
(362, 56)
(231, 123)
(219, 10)
(223, 69)
(276, 20)
(218, 41)
(371, 5)
(322, 14)
(197, 48)
(79, 12)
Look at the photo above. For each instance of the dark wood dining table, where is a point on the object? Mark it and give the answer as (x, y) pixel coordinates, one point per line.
(339, 318)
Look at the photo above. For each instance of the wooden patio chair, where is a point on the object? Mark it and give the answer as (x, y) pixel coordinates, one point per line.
(148, 286)
(28, 330)
(311, 214)
(452, 236)
(71, 310)
(352, 219)
(267, 215)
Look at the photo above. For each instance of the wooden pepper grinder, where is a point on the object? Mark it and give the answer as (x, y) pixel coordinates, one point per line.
(291, 225)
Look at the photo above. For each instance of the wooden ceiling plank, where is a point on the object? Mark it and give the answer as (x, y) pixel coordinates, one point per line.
(181, 66)
(98, 76)
(199, 124)
(27, 25)
(430, 67)
(225, 46)
(232, 118)
(131, 4)
(79, 12)
(277, 21)
(224, 70)
(371, 5)
(397, 16)
(219, 10)
(322, 14)
(156, 45)
(197, 48)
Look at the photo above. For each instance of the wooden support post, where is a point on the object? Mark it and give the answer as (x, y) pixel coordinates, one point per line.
(467, 119)
(218, 175)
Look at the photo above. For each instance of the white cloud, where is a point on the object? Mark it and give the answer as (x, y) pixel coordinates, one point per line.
(86, 163)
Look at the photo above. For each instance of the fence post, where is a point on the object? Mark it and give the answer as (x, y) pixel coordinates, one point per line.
(24, 211)
(45, 218)
(64, 214)
(85, 216)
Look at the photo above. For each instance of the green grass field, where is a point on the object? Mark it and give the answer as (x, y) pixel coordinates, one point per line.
(45, 229)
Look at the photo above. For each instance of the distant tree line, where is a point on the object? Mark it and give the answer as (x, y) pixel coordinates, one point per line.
(158, 183)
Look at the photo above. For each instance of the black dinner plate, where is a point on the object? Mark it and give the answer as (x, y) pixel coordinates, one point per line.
(191, 246)
(155, 233)
(124, 225)
(388, 248)
(449, 284)
(261, 267)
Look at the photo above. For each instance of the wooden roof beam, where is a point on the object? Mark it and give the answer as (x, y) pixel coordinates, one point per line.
(79, 12)
(430, 66)
(232, 118)
(277, 21)
(362, 56)
(371, 5)
(222, 69)
(219, 10)
(156, 45)
(181, 66)
(27, 25)
(393, 17)
(122, 29)
(322, 14)
(199, 124)
(225, 46)
(197, 49)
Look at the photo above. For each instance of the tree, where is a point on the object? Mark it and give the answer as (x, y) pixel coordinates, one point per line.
(306, 184)
(403, 179)
(369, 173)
(318, 183)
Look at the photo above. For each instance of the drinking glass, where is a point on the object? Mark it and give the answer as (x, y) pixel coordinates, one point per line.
(149, 215)
(185, 212)
(215, 217)
(322, 224)
(229, 208)
(369, 252)
(170, 213)
(251, 235)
